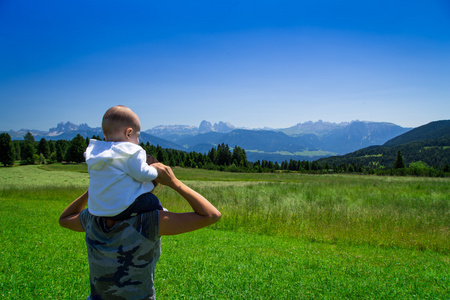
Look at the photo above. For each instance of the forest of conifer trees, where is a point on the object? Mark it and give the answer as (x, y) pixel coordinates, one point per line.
(221, 158)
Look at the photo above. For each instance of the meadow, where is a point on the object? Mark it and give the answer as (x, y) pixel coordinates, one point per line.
(281, 236)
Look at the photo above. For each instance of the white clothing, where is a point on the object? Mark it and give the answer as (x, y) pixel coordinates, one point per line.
(119, 173)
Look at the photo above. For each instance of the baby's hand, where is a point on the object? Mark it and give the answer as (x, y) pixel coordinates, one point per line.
(159, 167)
(151, 160)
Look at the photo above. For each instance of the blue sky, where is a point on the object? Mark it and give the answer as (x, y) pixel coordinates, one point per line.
(250, 63)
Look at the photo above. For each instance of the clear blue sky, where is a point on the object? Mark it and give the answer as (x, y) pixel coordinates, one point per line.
(251, 63)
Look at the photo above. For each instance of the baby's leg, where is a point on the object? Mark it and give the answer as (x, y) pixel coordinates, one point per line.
(144, 203)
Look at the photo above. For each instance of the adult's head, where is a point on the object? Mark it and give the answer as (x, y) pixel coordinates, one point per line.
(120, 123)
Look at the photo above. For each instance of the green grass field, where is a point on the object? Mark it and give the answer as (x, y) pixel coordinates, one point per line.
(281, 236)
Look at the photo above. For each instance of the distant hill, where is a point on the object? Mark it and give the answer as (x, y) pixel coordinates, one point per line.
(275, 145)
(317, 128)
(432, 131)
(429, 143)
(156, 141)
(174, 131)
(62, 131)
(304, 141)
(259, 144)
(357, 135)
(307, 141)
(19, 134)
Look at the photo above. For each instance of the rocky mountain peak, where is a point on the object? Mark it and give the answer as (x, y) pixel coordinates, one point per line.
(205, 127)
(222, 127)
(63, 127)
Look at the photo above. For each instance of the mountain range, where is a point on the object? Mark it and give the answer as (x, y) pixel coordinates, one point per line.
(304, 141)
(429, 143)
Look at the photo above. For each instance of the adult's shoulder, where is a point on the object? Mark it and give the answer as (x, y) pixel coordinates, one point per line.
(148, 224)
(86, 218)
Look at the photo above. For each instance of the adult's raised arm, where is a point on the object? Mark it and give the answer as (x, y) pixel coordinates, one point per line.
(70, 217)
(204, 213)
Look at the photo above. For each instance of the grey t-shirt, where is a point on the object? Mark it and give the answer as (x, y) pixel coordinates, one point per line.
(122, 259)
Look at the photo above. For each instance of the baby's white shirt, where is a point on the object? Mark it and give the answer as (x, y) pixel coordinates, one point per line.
(119, 173)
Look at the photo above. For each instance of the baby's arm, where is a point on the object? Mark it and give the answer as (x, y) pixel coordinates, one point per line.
(139, 169)
(150, 161)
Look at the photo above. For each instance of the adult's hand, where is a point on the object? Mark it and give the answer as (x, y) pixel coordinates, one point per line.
(166, 175)
(204, 213)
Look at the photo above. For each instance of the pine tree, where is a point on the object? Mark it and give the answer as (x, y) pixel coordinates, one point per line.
(399, 164)
(240, 157)
(51, 146)
(28, 149)
(59, 152)
(315, 166)
(212, 155)
(76, 149)
(162, 155)
(6, 150)
(446, 168)
(17, 150)
(43, 148)
(223, 155)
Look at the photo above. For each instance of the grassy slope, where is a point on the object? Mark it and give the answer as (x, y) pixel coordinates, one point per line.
(41, 260)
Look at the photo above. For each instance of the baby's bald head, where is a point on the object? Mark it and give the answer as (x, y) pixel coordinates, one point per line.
(117, 119)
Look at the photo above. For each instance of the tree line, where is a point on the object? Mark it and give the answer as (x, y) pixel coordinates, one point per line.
(222, 158)
(30, 151)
